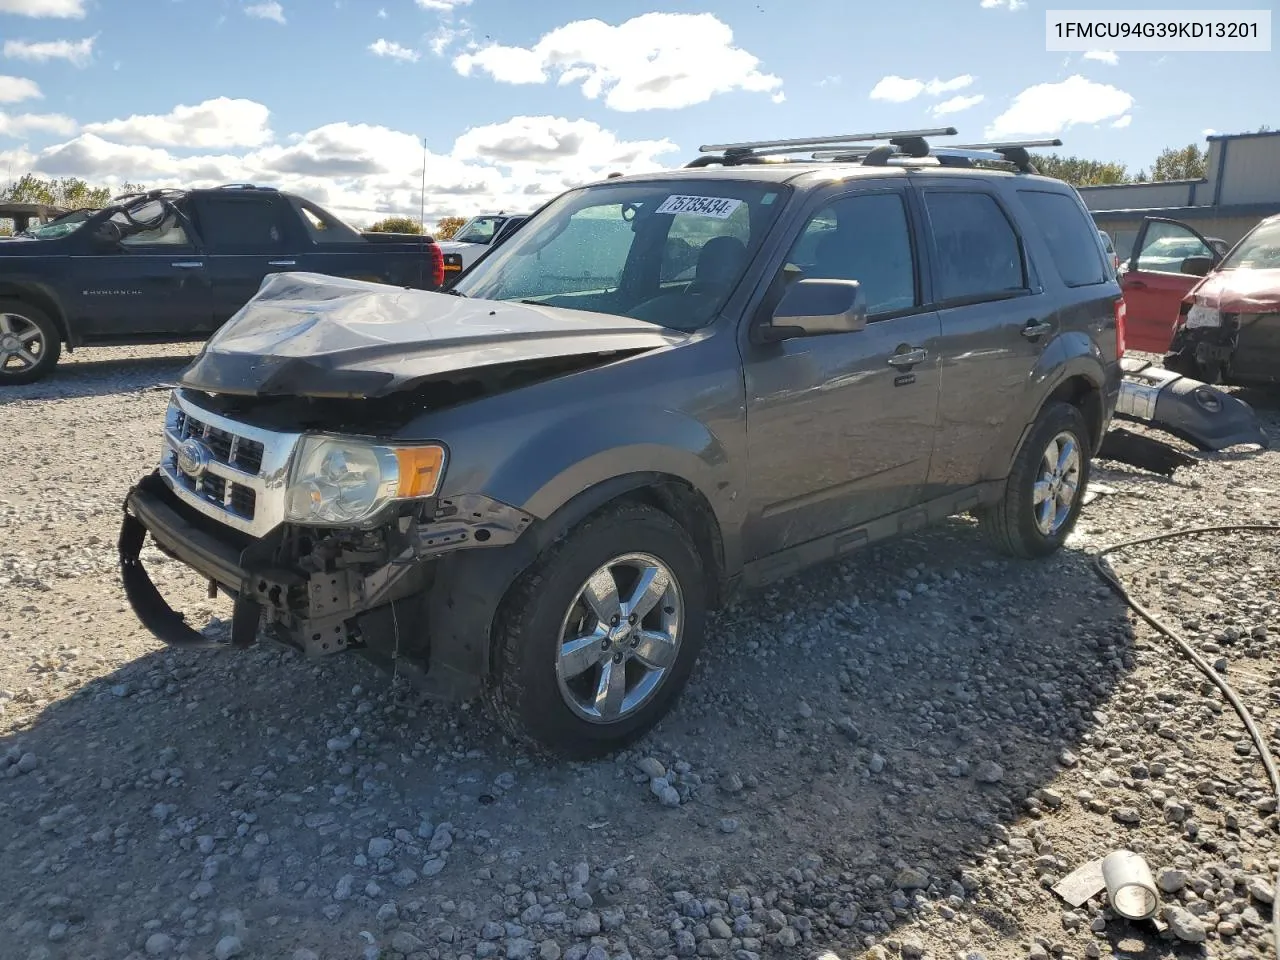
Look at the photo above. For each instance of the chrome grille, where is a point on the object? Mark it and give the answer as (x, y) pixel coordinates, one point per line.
(242, 470)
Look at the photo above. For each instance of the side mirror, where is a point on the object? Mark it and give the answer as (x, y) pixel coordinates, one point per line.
(812, 308)
(1198, 266)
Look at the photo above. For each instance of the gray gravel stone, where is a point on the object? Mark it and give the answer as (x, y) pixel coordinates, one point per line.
(1171, 880)
(988, 771)
(1185, 925)
(159, 945)
(1261, 890)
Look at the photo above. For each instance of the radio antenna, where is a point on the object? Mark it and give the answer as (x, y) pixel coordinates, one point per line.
(422, 197)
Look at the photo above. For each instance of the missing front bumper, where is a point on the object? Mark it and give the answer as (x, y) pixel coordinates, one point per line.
(316, 613)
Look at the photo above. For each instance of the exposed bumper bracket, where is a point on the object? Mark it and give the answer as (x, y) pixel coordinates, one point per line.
(144, 512)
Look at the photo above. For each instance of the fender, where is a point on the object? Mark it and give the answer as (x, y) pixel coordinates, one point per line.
(40, 294)
(1070, 355)
(572, 455)
(469, 585)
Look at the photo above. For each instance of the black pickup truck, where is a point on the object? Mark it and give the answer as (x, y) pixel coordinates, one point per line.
(174, 265)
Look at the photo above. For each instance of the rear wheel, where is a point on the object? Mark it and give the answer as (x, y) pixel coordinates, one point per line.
(597, 640)
(1046, 486)
(29, 343)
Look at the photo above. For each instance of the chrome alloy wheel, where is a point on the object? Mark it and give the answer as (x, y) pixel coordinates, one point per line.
(1054, 493)
(21, 343)
(620, 638)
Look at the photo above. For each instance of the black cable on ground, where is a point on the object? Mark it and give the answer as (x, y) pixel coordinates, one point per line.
(1259, 741)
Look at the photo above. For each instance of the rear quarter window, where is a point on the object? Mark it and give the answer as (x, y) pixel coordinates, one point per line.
(1070, 235)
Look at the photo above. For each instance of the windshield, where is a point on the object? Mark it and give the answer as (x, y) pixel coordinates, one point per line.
(479, 229)
(60, 226)
(669, 252)
(1260, 250)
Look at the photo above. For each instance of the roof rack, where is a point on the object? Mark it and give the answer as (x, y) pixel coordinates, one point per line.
(911, 142)
(951, 155)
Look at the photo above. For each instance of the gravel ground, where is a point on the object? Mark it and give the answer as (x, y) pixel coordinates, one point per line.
(891, 757)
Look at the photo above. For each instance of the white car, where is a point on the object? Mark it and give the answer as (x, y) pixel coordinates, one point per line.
(474, 238)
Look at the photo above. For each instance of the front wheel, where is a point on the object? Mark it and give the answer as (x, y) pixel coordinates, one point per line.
(596, 641)
(1046, 486)
(29, 343)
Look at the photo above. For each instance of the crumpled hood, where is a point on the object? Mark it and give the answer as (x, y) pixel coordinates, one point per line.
(309, 335)
(1239, 291)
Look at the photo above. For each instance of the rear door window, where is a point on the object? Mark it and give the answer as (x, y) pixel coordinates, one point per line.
(244, 225)
(1070, 235)
(977, 253)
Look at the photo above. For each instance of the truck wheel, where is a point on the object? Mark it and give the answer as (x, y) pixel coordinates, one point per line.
(1046, 486)
(594, 643)
(29, 343)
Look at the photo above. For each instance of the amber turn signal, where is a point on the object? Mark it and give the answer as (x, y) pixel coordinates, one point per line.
(420, 470)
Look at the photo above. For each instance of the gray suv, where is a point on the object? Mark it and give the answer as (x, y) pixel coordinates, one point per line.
(660, 389)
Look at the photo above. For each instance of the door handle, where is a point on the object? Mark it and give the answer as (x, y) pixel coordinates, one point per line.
(282, 263)
(908, 358)
(1035, 330)
(1136, 284)
(188, 264)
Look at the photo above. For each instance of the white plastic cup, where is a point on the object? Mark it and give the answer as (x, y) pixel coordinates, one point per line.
(1130, 886)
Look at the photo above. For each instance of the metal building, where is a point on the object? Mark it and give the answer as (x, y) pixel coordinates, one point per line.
(1241, 186)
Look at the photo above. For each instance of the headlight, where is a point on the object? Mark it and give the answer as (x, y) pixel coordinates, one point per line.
(340, 481)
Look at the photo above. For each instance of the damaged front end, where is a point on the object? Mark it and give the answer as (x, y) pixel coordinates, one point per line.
(218, 504)
(1200, 414)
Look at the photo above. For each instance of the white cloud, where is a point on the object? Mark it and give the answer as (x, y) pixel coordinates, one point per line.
(1005, 4)
(61, 9)
(1049, 108)
(268, 10)
(548, 142)
(77, 52)
(833, 80)
(895, 89)
(221, 122)
(1109, 57)
(444, 6)
(1123, 122)
(653, 61)
(388, 48)
(364, 172)
(23, 124)
(382, 13)
(1208, 131)
(447, 35)
(13, 89)
(957, 104)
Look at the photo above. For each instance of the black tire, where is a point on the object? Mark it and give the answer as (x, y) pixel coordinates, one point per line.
(524, 694)
(48, 340)
(1011, 524)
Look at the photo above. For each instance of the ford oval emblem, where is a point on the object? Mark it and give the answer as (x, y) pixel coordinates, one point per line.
(193, 458)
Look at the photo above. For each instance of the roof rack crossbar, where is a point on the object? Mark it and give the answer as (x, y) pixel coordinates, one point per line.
(801, 144)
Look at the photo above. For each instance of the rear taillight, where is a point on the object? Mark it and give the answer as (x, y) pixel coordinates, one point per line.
(435, 258)
(1121, 316)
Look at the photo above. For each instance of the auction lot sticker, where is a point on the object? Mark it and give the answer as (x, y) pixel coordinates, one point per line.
(720, 208)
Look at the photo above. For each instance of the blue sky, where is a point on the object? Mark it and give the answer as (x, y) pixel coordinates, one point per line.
(517, 100)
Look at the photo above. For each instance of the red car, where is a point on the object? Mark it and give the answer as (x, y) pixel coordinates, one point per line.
(1227, 329)
(1168, 259)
